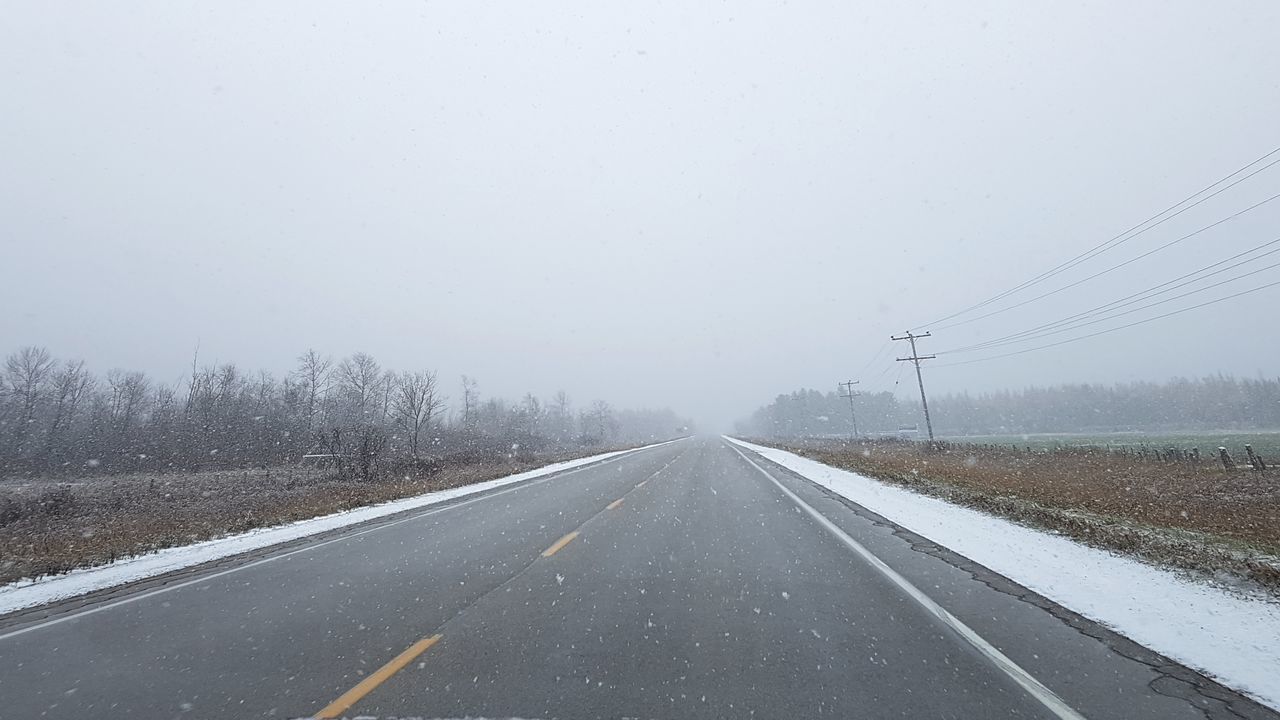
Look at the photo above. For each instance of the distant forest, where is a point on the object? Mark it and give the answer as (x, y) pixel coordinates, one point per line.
(1211, 403)
(57, 417)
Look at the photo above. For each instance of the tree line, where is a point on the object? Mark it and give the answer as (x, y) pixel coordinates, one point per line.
(1216, 402)
(58, 417)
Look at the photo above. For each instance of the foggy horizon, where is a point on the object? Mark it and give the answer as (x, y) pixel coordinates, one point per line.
(679, 207)
(697, 360)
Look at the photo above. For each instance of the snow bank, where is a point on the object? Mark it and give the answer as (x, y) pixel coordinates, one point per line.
(1233, 638)
(30, 593)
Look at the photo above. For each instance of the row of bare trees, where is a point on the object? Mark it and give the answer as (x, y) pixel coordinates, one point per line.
(56, 417)
(1214, 402)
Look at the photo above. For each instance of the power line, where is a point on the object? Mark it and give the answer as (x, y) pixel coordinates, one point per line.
(888, 366)
(1077, 326)
(874, 357)
(1121, 238)
(1036, 332)
(897, 378)
(1128, 299)
(1113, 268)
(1114, 329)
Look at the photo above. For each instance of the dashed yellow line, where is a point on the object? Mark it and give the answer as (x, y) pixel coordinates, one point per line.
(559, 544)
(384, 673)
(366, 686)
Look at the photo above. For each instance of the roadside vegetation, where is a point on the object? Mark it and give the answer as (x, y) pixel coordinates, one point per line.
(1212, 405)
(49, 528)
(1168, 508)
(1205, 443)
(93, 468)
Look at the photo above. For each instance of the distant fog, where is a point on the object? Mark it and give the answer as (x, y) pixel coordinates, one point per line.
(682, 206)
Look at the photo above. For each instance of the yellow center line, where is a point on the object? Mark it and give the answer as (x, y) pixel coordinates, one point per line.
(367, 685)
(384, 673)
(560, 544)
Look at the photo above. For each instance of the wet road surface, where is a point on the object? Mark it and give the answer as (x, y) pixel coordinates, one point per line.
(690, 580)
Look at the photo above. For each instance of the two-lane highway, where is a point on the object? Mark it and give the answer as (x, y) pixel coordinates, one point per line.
(687, 580)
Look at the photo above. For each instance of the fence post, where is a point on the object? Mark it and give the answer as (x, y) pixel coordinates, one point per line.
(1254, 460)
(1227, 462)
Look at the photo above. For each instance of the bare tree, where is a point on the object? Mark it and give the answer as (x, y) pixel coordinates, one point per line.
(470, 401)
(129, 392)
(70, 385)
(360, 378)
(531, 414)
(313, 373)
(264, 393)
(164, 402)
(561, 418)
(598, 423)
(55, 419)
(357, 451)
(27, 373)
(492, 417)
(414, 405)
(388, 388)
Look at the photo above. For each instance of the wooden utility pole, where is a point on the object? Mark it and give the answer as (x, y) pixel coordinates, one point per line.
(849, 393)
(916, 358)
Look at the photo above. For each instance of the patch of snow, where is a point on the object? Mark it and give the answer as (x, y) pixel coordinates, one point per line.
(30, 593)
(1226, 635)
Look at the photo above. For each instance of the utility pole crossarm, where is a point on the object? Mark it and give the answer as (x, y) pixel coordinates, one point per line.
(916, 357)
(850, 393)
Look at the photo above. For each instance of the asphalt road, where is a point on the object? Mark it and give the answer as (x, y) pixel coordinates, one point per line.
(689, 580)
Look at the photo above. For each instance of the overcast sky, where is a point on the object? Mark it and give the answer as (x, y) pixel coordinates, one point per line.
(698, 205)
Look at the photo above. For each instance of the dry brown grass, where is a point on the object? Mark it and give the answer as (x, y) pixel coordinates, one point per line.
(48, 527)
(1191, 515)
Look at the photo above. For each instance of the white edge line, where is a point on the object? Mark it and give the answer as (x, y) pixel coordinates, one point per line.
(344, 536)
(1034, 687)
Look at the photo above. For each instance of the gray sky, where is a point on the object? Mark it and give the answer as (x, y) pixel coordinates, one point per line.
(683, 204)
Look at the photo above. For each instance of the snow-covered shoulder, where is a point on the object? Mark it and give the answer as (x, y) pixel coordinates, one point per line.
(1229, 636)
(31, 593)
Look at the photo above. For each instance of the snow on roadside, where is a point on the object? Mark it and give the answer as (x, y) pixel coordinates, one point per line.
(30, 593)
(1230, 637)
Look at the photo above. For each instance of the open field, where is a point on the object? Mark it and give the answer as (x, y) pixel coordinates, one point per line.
(49, 527)
(1189, 515)
(1266, 443)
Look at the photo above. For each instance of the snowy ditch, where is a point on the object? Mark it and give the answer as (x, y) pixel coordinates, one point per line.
(1230, 636)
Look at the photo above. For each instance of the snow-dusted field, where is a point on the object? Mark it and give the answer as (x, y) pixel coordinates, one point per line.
(30, 593)
(1228, 636)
